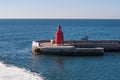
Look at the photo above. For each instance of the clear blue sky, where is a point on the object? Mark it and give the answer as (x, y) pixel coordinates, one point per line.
(106, 9)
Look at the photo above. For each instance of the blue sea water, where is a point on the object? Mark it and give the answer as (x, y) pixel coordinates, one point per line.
(16, 36)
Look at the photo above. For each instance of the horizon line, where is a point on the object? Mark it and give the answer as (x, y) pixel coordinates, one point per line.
(63, 18)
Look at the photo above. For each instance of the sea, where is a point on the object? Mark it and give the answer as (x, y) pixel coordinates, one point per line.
(18, 63)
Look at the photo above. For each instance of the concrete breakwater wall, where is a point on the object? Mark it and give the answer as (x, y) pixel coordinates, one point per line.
(46, 47)
(75, 47)
(108, 45)
(86, 41)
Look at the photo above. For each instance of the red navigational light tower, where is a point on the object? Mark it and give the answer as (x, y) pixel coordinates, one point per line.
(59, 37)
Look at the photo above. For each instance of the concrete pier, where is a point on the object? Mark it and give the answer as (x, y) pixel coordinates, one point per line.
(83, 47)
(68, 49)
(108, 45)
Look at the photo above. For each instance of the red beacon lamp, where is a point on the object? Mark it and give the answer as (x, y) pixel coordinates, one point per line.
(59, 37)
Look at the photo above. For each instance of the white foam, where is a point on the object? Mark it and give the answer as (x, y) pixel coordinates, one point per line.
(8, 72)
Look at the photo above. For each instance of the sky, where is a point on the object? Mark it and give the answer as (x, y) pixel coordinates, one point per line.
(62, 9)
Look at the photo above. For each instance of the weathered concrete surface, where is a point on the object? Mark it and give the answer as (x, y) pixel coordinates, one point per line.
(46, 47)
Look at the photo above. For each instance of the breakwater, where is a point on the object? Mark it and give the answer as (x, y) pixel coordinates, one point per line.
(80, 47)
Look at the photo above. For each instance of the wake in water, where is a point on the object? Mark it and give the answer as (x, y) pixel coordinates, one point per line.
(14, 73)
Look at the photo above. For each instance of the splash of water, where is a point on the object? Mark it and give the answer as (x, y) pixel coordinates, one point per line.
(8, 72)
